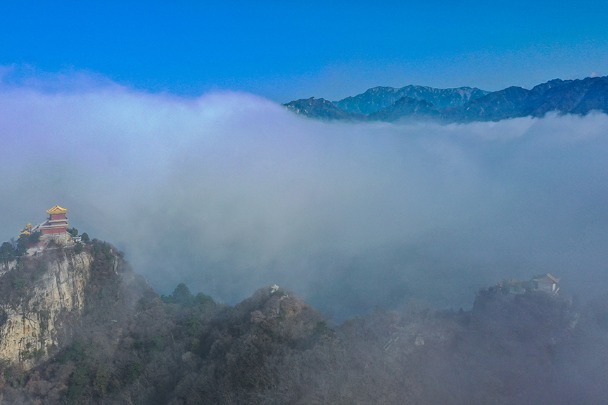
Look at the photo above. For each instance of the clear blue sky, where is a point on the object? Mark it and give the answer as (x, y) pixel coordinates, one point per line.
(293, 49)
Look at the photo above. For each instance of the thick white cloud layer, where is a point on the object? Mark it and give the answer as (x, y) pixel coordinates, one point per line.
(229, 192)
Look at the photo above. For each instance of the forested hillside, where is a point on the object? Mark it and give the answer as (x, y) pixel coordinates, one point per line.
(129, 345)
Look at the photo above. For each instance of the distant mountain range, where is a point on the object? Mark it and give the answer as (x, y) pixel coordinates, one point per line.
(462, 104)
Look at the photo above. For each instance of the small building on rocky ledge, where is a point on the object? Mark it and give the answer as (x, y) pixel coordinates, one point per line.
(54, 228)
(34, 239)
(546, 282)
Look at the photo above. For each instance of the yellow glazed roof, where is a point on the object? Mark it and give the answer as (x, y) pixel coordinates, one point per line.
(57, 210)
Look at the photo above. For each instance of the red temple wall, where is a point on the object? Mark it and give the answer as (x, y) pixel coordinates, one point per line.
(53, 230)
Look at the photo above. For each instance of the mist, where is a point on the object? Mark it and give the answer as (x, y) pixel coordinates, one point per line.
(229, 192)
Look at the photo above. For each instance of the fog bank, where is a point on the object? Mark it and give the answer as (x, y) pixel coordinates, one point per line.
(229, 192)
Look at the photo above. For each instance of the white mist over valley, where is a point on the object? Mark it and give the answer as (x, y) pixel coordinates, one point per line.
(229, 192)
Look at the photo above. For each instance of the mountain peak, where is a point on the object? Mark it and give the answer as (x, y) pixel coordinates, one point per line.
(319, 108)
(462, 104)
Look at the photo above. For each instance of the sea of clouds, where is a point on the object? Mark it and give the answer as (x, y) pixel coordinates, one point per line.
(229, 192)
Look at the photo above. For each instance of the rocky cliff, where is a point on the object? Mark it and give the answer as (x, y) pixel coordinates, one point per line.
(42, 298)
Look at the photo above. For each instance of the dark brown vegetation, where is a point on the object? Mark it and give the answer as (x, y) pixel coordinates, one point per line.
(132, 346)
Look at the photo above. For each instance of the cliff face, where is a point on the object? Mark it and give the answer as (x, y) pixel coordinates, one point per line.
(41, 298)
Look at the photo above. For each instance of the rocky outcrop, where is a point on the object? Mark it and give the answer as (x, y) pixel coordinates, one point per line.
(6, 266)
(42, 298)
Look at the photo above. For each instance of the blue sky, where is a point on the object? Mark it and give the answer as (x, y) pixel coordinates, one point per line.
(286, 50)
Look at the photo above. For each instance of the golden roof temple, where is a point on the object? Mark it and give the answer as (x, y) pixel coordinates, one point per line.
(57, 210)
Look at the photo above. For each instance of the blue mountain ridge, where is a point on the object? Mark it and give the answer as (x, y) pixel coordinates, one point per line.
(463, 104)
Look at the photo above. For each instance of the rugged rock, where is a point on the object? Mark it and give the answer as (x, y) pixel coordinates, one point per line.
(42, 299)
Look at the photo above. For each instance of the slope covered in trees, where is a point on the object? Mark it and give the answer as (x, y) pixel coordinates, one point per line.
(130, 345)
